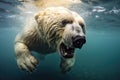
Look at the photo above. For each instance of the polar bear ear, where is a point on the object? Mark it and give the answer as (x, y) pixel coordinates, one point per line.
(37, 16)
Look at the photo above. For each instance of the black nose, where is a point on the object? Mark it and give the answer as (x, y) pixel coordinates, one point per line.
(78, 41)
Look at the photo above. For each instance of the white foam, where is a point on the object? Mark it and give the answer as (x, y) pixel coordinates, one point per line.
(98, 9)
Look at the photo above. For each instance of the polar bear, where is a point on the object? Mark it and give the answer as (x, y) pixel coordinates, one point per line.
(50, 30)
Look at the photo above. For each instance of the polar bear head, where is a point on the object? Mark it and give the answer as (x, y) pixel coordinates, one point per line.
(61, 29)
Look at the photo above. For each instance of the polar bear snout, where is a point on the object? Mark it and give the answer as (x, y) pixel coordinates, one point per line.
(78, 41)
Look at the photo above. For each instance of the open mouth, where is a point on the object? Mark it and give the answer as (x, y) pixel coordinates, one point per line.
(66, 52)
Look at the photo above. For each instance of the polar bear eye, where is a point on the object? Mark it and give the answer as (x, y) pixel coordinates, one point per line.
(82, 26)
(64, 22)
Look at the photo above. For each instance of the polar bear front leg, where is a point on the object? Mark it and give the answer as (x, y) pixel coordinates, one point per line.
(25, 60)
(66, 64)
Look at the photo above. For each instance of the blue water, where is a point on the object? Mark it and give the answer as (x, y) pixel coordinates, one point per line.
(99, 59)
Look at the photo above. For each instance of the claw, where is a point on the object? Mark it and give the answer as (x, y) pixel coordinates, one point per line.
(27, 63)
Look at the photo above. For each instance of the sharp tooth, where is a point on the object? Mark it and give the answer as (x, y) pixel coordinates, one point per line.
(65, 53)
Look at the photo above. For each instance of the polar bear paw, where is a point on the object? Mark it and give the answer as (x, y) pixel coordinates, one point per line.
(27, 63)
(66, 64)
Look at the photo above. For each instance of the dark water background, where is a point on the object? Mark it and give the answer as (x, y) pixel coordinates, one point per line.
(99, 59)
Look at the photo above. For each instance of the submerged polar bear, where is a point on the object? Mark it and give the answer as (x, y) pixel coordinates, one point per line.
(53, 29)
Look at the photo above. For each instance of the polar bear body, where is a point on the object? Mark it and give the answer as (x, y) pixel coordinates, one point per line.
(31, 38)
(50, 30)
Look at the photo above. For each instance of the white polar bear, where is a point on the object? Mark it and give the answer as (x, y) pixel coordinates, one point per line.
(53, 29)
